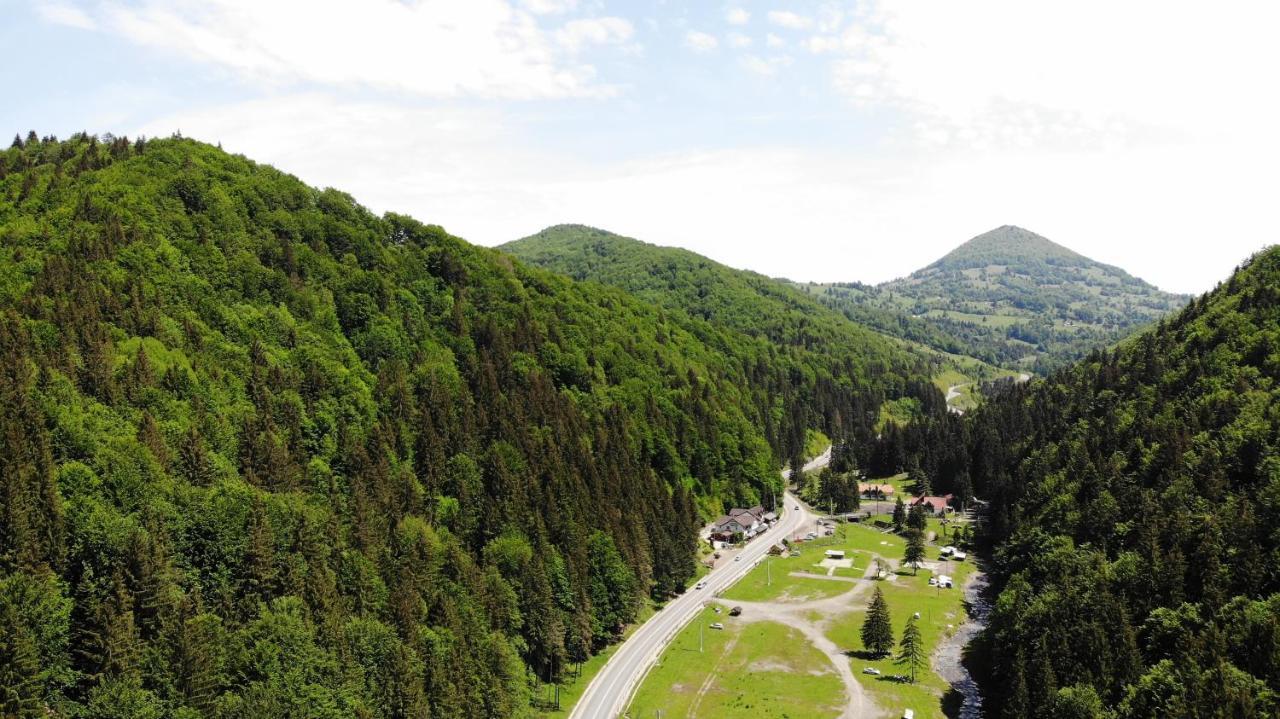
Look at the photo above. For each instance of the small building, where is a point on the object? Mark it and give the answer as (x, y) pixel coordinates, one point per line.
(959, 556)
(873, 490)
(835, 554)
(747, 522)
(937, 506)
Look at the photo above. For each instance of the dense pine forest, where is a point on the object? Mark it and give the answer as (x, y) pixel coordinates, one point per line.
(820, 352)
(265, 453)
(1135, 501)
(1131, 506)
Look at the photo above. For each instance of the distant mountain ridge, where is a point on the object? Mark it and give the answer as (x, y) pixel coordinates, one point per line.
(1009, 297)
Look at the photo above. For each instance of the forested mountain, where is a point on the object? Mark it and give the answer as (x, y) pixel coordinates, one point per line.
(1135, 507)
(1008, 297)
(264, 453)
(732, 309)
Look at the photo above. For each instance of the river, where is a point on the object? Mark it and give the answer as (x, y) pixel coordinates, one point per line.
(948, 659)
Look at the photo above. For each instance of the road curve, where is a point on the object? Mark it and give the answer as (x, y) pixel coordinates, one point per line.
(610, 691)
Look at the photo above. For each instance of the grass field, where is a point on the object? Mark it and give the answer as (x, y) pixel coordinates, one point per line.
(859, 543)
(761, 670)
(941, 611)
(765, 669)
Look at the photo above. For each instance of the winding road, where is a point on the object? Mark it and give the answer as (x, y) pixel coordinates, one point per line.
(609, 692)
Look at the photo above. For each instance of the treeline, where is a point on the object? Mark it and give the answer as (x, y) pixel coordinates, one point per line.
(809, 367)
(1131, 502)
(263, 453)
(1134, 500)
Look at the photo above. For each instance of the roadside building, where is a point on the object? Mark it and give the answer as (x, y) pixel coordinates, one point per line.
(937, 506)
(872, 490)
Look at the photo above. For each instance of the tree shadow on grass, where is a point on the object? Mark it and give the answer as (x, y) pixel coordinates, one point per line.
(952, 701)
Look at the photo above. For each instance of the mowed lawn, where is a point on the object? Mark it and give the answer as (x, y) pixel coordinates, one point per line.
(772, 580)
(941, 612)
(758, 670)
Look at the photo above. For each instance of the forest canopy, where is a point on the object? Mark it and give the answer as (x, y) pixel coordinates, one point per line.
(265, 453)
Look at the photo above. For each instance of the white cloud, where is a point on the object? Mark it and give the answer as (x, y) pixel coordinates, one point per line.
(766, 67)
(593, 31)
(789, 20)
(737, 16)
(436, 48)
(738, 40)
(548, 7)
(1096, 73)
(771, 40)
(68, 15)
(700, 41)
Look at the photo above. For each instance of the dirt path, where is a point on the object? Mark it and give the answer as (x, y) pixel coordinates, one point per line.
(711, 677)
(799, 616)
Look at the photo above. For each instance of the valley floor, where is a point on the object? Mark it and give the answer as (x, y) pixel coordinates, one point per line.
(795, 650)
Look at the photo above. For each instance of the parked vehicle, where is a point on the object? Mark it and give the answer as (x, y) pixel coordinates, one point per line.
(717, 625)
(872, 671)
(735, 611)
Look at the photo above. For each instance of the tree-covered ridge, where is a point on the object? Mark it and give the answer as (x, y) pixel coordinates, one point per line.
(263, 453)
(1008, 297)
(840, 372)
(684, 281)
(1135, 501)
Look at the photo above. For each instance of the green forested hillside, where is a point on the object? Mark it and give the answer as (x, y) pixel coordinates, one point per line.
(1135, 507)
(738, 312)
(1008, 297)
(264, 453)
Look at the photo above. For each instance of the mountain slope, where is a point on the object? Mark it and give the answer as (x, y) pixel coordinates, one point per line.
(263, 453)
(728, 307)
(1134, 503)
(1009, 297)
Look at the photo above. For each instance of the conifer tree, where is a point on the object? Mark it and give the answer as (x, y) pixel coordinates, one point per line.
(877, 628)
(899, 515)
(911, 652)
(916, 518)
(914, 552)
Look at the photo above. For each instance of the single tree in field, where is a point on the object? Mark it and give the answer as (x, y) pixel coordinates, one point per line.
(877, 630)
(914, 553)
(899, 515)
(911, 649)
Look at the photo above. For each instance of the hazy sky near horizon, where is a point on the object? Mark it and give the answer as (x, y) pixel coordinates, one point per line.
(813, 140)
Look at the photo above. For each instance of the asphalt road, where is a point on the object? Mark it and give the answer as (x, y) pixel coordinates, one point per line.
(610, 691)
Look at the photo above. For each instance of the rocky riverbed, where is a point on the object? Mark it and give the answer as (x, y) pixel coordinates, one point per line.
(948, 658)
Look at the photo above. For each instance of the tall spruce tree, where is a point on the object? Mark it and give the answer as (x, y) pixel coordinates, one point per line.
(913, 554)
(911, 652)
(877, 628)
(899, 515)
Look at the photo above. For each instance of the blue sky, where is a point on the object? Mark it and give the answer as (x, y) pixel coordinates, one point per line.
(816, 140)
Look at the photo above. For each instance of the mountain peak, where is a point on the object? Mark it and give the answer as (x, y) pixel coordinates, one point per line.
(1008, 245)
